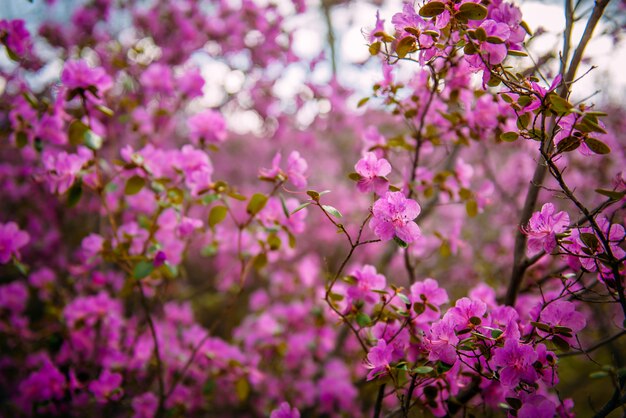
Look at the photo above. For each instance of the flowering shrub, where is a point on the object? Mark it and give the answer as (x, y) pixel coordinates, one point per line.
(152, 265)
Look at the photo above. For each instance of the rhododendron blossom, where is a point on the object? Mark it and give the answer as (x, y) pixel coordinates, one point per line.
(393, 216)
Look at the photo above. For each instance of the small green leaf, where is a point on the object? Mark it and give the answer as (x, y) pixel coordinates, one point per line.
(274, 242)
(514, 402)
(105, 110)
(560, 343)
(541, 326)
(74, 194)
(598, 375)
(471, 11)
(363, 319)
(568, 144)
(400, 242)
(612, 194)
(143, 269)
(406, 46)
(590, 240)
(217, 215)
(515, 53)
(365, 99)
(354, 176)
(423, 369)
(509, 136)
(92, 140)
(256, 204)
(134, 185)
(432, 9)
(471, 206)
(374, 48)
(404, 298)
(332, 210)
(299, 208)
(559, 104)
(313, 195)
(242, 387)
(77, 132)
(597, 146)
(21, 139)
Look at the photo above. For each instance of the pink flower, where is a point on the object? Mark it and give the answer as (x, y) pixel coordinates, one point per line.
(207, 127)
(516, 362)
(11, 240)
(536, 406)
(62, 169)
(15, 36)
(431, 295)
(372, 171)
(562, 313)
(296, 167)
(393, 216)
(285, 411)
(367, 280)
(13, 297)
(78, 74)
(543, 227)
(378, 359)
(107, 387)
(145, 406)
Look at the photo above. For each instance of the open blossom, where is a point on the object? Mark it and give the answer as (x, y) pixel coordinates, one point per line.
(145, 406)
(296, 167)
(378, 359)
(285, 411)
(367, 279)
(394, 216)
(372, 171)
(207, 127)
(107, 386)
(15, 36)
(516, 362)
(78, 74)
(543, 227)
(62, 169)
(11, 240)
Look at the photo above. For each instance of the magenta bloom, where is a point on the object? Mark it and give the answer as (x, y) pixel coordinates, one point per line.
(372, 171)
(393, 217)
(107, 386)
(296, 167)
(78, 74)
(11, 240)
(285, 411)
(207, 127)
(516, 361)
(145, 406)
(15, 36)
(378, 359)
(543, 227)
(429, 293)
(62, 169)
(563, 314)
(367, 280)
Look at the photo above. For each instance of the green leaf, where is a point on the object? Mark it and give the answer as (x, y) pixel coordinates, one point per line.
(568, 144)
(404, 298)
(313, 195)
(134, 185)
(354, 176)
(432, 9)
(590, 240)
(299, 208)
(143, 269)
(598, 375)
(363, 319)
(471, 11)
(471, 206)
(217, 215)
(400, 242)
(612, 194)
(423, 369)
(374, 48)
(406, 46)
(21, 139)
(363, 100)
(332, 210)
(105, 110)
(242, 387)
(256, 204)
(77, 132)
(541, 326)
(597, 146)
(515, 53)
(560, 343)
(514, 402)
(559, 104)
(274, 242)
(92, 140)
(260, 261)
(509, 136)
(74, 194)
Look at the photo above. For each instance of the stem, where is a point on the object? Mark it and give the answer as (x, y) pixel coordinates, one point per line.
(379, 401)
